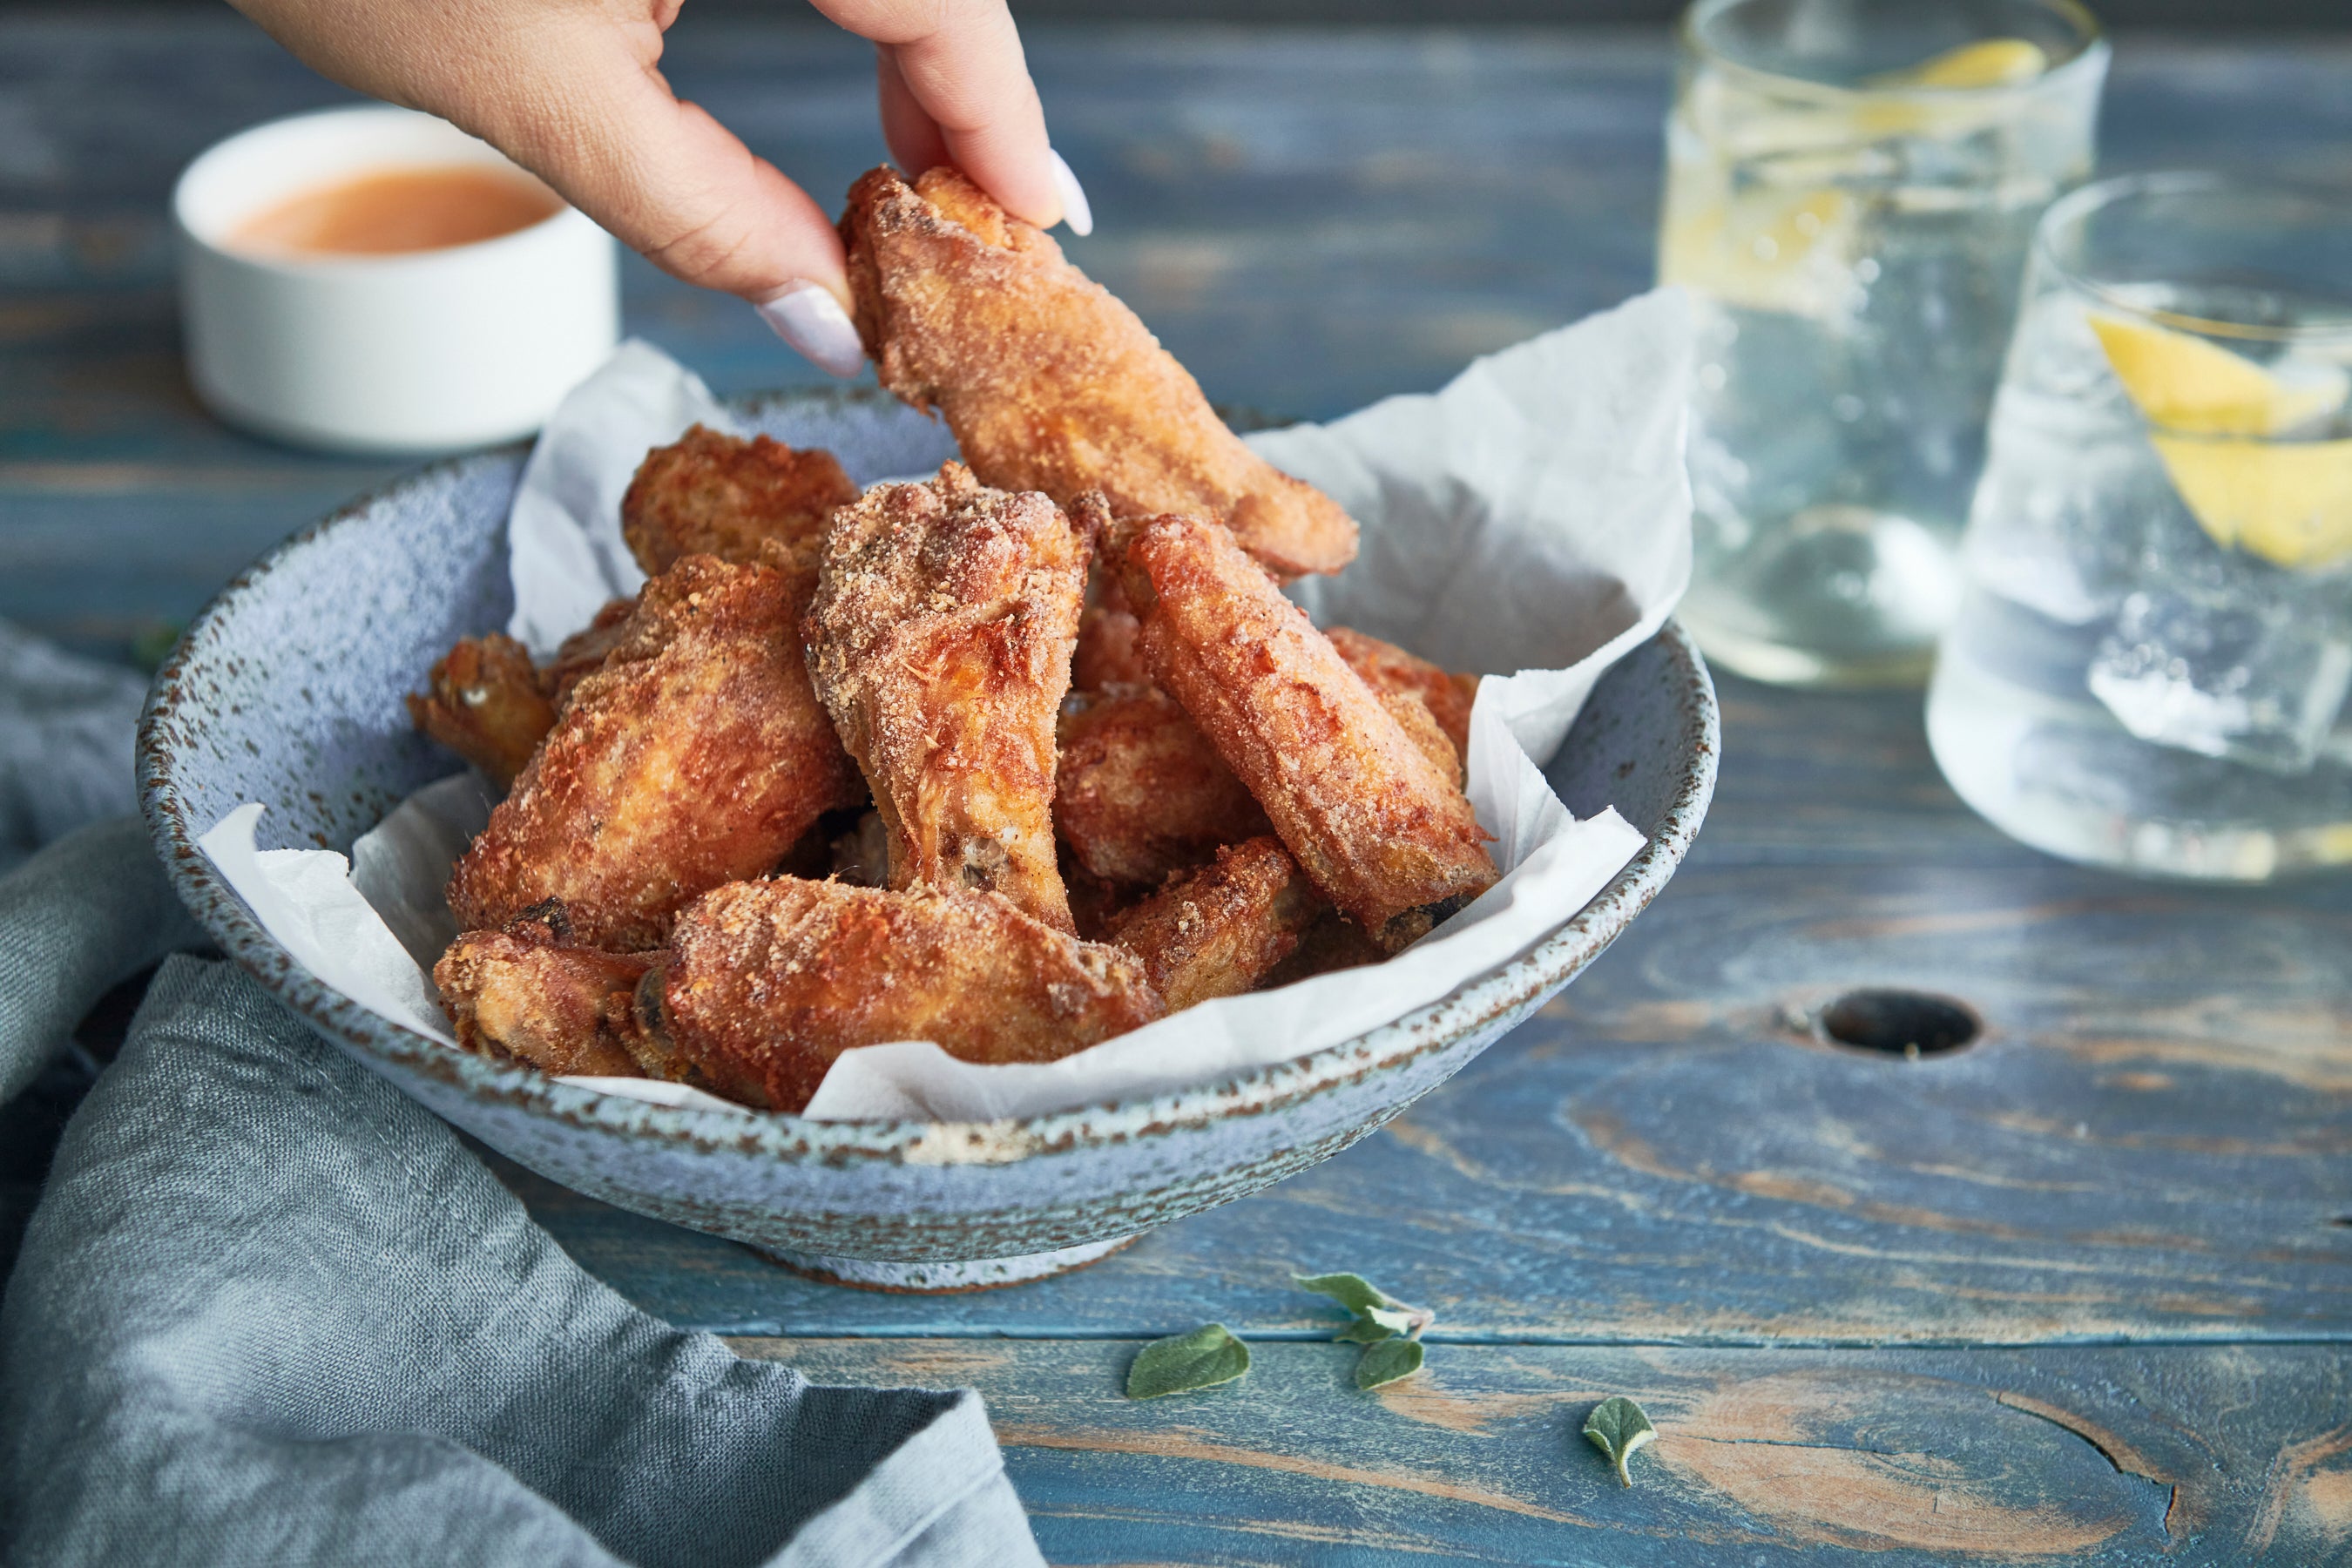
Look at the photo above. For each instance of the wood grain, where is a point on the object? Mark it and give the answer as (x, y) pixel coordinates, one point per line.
(1916, 1457)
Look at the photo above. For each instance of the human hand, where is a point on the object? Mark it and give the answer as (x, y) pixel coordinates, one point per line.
(572, 90)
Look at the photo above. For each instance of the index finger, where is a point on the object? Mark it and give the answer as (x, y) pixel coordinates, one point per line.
(962, 63)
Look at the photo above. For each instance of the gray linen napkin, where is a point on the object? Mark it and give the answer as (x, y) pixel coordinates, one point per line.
(66, 724)
(270, 1309)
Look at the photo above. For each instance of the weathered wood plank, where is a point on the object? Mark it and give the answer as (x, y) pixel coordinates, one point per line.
(1916, 1459)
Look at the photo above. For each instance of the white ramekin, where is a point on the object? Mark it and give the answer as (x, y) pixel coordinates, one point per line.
(418, 351)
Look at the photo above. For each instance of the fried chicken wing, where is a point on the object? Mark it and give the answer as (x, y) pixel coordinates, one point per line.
(764, 984)
(1331, 942)
(1048, 382)
(1364, 810)
(584, 653)
(696, 754)
(940, 639)
(1142, 792)
(1224, 928)
(709, 494)
(1387, 669)
(1095, 903)
(861, 856)
(483, 700)
(1421, 728)
(1106, 654)
(525, 991)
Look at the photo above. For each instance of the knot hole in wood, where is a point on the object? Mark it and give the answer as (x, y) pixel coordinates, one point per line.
(1907, 1023)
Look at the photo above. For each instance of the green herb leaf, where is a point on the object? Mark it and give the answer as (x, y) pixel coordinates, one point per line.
(1617, 1428)
(1208, 1355)
(1379, 1315)
(1388, 1361)
(1353, 1291)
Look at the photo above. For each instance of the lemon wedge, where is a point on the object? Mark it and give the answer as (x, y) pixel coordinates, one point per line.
(1781, 251)
(2289, 502)
(2216, 416)
(2181, 382)
(1991, 62)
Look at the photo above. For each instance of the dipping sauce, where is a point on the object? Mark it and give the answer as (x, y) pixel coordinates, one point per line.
(390, 211)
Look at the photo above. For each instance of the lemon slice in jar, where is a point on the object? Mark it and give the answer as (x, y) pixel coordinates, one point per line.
(1763, 251)
(1991, 62)
(2216, 418)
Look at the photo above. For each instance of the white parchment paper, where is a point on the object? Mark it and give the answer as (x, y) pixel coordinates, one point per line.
(1531, 518)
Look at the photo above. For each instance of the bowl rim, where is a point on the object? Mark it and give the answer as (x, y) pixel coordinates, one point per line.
(1485, 997)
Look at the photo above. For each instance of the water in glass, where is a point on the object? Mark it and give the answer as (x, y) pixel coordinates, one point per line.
(2151, 663)
(1851, 190)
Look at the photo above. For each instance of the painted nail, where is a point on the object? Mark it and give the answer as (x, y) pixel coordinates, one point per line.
(808, 317)
(1074, 210)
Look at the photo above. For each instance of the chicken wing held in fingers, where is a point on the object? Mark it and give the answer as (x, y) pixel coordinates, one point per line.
(1371, 818)
(484, 701)
(709, 494)
(1142, 793)
(764, 984)
(696, 754)
(1049, 383)
(940, 639)
(525, 991)
(1224, 928)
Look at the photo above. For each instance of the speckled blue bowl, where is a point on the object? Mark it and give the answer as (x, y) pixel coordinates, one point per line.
(288, 691)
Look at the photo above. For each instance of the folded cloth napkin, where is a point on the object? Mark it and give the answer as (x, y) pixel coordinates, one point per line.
(65, 726)
(270, 1309)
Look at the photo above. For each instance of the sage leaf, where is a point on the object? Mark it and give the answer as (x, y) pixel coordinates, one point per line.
(1353, 1291)
(1617, 1428)
(1388, 1361)
(1379, 1315)
(1205, 1357)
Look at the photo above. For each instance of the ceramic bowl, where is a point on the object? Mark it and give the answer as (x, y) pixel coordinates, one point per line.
(288, 691)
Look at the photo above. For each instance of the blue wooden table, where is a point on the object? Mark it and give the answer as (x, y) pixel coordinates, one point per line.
(2080, 1292)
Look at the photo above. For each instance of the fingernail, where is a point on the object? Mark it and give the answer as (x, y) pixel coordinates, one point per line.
(1074, 210)
(808, 317)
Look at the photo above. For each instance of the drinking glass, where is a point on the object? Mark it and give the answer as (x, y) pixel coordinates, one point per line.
(1851, 186)
(2149, 666)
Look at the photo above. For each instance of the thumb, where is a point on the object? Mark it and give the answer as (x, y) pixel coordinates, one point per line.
(670, 182)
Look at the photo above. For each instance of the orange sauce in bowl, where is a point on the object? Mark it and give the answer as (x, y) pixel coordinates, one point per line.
(390, 212)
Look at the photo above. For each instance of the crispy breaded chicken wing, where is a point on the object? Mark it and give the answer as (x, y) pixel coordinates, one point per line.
(1381, 830)
(861, 856)
(526, 991)
(1106, 654)
(483, 700)
(1048, 382)
(1388, 669)
(696, 755)
(940, 639)
(1142, 792)
(1222, 929)
(709, 494)
(1331, 942)
(584, 653)
(764, 984)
